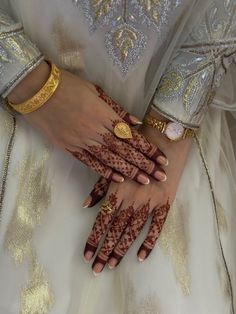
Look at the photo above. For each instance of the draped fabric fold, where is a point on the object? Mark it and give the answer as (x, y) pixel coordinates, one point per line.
(44, 227)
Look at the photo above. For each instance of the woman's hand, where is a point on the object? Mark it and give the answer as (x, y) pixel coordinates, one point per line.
(80, 118)
(132, 205)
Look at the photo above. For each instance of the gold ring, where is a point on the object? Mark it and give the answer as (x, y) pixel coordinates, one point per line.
(122, 130)
(107, 209)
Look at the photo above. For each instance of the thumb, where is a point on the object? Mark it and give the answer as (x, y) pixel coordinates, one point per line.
(98, 192)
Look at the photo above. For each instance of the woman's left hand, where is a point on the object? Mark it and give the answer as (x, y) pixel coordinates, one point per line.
(128, 206)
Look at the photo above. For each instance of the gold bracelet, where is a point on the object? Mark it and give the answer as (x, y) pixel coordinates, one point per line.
(174, 131)
(42, 96)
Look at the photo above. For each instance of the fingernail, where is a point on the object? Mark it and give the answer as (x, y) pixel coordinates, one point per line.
(142, 178)
(160, 176)
(88, 255)
(163, 160)
(96, 274)
(142, 256)
(118, 178)
(87, 202)
(98, 268)
(135, 120)
(112, 263)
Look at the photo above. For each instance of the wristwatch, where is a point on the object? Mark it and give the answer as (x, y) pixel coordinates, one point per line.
(174, 131)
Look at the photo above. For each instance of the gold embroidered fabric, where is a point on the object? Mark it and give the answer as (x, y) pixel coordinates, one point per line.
(199, 65)
(129, 25)
(33, 199)
(18, 56)
(135, 305)
(174, 242)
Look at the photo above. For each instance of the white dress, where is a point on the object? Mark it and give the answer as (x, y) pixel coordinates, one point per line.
(43, 227)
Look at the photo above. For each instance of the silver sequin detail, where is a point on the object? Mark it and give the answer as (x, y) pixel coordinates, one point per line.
(139, 17)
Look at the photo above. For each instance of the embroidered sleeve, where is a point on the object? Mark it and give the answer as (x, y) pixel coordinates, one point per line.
(197, 69)
(18, 55)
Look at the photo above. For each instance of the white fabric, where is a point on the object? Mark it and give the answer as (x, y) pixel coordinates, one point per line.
(159, 285)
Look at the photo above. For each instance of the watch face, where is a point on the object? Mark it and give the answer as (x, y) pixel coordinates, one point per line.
(174, 131)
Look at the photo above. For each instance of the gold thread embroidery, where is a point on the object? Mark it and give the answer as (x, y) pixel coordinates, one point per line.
(150, 6)
(223, 224)
(173, 241)
(68, 50)
(189, 93)
(171, 82)
(124, 40)
(33, 198)
(101, 8)
(133, 305)
(36, 296)
(224, 283)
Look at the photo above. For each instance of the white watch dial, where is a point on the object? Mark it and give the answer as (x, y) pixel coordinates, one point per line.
(174, 131)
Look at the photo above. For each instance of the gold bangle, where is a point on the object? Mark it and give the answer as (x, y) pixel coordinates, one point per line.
(42, 96)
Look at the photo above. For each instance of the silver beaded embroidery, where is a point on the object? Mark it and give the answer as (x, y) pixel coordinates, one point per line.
(127, 25)
(201, 63)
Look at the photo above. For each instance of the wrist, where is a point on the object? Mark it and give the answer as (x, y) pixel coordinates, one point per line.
(31, 84)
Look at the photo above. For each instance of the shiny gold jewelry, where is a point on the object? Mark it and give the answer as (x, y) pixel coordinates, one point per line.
(106, 209)
(122, 130)
(42, 96)
(174, 131)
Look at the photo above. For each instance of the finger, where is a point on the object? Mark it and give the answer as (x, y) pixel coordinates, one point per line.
(117, 108)
(158, 220)
(98, 192)
(140, 142)
(134, 157)
(96, 165)
(107, 157)
(130, 234)
(113, 235)
(100, 226)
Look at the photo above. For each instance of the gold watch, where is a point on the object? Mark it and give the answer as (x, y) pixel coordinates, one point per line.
(174, 131)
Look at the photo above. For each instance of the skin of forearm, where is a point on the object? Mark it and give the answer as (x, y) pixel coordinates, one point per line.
(31, 84)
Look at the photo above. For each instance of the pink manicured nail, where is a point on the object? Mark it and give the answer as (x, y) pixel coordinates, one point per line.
(87, 202)
(142, 178)
(88, 255)
(142, 256)
(118, 178)
(135, 120)
(112, 263)
(163, 160)
(160, 176)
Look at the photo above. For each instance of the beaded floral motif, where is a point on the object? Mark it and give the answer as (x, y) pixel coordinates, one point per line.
(126, 24)
(201, 62)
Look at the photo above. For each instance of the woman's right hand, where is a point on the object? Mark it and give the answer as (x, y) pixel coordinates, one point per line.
(80, 119)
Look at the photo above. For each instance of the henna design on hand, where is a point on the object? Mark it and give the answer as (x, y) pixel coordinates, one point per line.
(92, 162)
(158, 220)
(115, 161)
(99, 191)
(131, 154)
(131, 232)
(114, 233)
(101, 225)
(117, 108)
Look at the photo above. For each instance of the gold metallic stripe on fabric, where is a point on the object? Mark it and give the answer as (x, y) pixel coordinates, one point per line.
(6, 165)
(173, 241)
(13, 32)
(32, 200)
(217, 219)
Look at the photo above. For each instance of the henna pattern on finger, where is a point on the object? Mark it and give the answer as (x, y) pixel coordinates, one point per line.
(93, 163)
(107, 157)
(101, 225)
(114, 233)
(158, 220)
(131, 232)
(117, 108)
(99, 191)
(130, 154)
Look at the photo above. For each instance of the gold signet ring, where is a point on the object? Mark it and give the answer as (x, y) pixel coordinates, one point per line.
(122, 130)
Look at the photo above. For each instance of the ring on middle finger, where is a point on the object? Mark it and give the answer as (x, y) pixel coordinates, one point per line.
(122, 130)
(106, 208)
